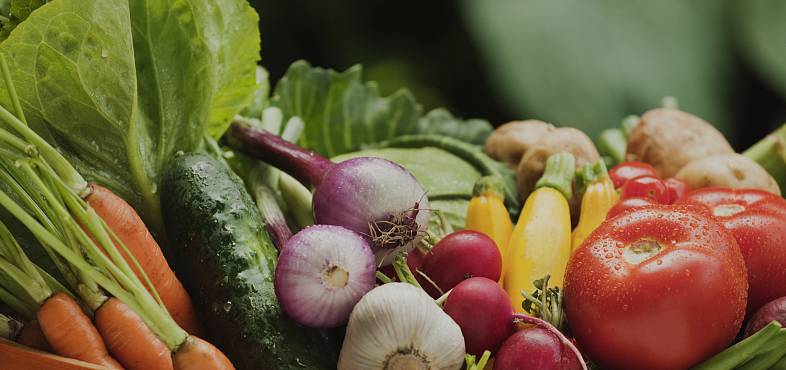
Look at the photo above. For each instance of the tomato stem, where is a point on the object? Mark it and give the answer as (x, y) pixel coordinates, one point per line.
(641, 250)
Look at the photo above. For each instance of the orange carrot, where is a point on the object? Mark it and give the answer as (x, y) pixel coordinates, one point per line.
(70, 332)
(129, 339)
(197, 354)
(125, 222)
(32, 336)
(16, 357)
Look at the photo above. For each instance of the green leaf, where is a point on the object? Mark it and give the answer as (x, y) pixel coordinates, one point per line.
(260, 98)
(762, 37)
(588, 64)
(120, 86)
(234, 41)
(440, 121)
(342, 113)
(16, 11)
(21, 9)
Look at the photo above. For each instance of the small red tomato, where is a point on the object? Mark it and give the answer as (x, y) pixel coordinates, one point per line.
(646, 186)
(677, 189)
(757, 219)
(460, 256)
(628, 170)
(628, 204)
(645, 290)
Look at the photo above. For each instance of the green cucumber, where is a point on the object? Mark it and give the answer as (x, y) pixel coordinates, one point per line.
(226, 260)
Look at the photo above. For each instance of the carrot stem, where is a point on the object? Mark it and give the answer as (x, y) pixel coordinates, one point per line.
(67, 172)
(9, 84)
(21, 308)
(9, 327)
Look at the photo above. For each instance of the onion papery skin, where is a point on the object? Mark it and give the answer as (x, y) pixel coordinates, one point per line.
(300, 285)
(358, 191)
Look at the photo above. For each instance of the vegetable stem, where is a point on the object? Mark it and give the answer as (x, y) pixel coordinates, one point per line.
(306, 166)
(589, 174)
(770, 153)
(9, 327)
(64, 169)
(271, 214)
(768, 355)
(612, 142)
(559, 172)
(9, 84)
(742, 351)
(402, 270)
(628, 123)
(489, 184)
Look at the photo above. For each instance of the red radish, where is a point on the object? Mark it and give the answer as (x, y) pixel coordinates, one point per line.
(459, 256)
(322, 273)
(482, 310)
(773, 311)
(537, 345)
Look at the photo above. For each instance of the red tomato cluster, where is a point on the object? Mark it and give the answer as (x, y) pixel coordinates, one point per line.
(640, 186)
(658, 287)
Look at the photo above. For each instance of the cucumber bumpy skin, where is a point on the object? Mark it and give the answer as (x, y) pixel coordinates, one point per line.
(226, 260)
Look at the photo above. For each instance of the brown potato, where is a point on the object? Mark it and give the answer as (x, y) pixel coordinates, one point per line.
(509, 142)
(727, 170)
(563, 139)
(668, 139)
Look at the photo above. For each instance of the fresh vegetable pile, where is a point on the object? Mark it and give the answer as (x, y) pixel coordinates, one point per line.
(162, 207)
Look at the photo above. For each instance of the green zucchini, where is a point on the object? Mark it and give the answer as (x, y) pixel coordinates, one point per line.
(226, 260)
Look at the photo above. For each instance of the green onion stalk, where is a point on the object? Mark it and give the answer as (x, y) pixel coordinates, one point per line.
(758, 351)
(770, 153)
(275, 193)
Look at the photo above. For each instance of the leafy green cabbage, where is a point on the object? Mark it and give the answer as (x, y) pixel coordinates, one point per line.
(120, 86)
(342, 113)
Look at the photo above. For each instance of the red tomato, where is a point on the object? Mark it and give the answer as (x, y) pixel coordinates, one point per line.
(628, 204)
(661, 287)
(757, 219)
(628, 170)
(677, 189)
(646, 186)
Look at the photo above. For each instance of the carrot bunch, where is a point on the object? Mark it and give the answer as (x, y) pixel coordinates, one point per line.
(106, 256)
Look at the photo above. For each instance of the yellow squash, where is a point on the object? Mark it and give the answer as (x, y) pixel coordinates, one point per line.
(540, 243)
(599, 196)
(487, 214)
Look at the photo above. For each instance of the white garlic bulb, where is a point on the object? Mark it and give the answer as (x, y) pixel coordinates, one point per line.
(399, 327)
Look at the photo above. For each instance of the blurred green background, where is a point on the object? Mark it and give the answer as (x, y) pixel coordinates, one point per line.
(571, 62)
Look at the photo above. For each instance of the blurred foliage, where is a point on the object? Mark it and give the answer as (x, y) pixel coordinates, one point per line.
(573, 62)
(590, 63)
(762, 38)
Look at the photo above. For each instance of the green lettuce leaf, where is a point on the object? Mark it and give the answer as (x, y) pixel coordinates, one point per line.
(439, 121)
(342, 113)
(120, 86)
(16, 11)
